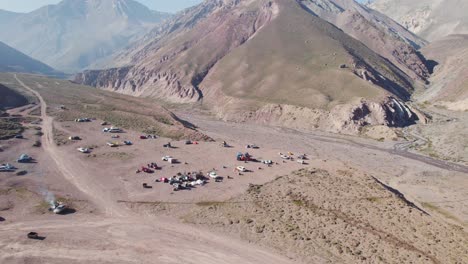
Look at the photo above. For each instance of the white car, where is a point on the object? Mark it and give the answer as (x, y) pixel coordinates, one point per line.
(115, 130)
(83, 150)
(301, 161)
(241, 169)
(267, 162)
(6, 167)
(166, 158)
(285, 157)
(213, 175)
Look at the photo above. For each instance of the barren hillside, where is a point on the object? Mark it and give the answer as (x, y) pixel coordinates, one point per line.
(377, 31)
(339, 216)
(68, 101)
(14, 61)
(430, 19)
(449, 83)
(216, 52)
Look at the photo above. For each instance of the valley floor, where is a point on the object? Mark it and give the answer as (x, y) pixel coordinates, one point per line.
(372, 201)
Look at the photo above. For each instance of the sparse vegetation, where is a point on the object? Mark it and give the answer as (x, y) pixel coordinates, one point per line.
(9, 128)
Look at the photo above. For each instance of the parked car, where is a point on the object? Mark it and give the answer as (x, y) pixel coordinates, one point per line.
(267, 162)
(74, 138)
(213, 175)
(83, 150)
(24, 158)
(19, 136)
(58, 208)
(128, 143)
(7, 167)
(241, 169)
(115, 130)
(166, 158)
(112, 144)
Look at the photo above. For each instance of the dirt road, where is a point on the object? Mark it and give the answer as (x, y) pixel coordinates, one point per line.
(118, 235)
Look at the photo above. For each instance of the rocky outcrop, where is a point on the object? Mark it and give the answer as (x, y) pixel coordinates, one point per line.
(345, 118)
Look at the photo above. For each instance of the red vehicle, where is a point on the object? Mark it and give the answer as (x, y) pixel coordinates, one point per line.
(147, 170)
(143, 137)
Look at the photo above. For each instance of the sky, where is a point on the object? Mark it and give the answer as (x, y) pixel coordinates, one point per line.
(159, 5)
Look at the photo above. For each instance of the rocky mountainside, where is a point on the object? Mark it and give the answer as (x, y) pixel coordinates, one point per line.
(449, 83)
(74, 34)
(430, 19)
(15, 61)
(376, 31)
(240, 57)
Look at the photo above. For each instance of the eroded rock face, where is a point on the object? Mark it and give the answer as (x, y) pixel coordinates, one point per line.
(173, 68)
(345, 118)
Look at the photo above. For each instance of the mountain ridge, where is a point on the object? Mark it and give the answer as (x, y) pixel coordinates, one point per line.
(215, 54)
(15, 61)
(73, 34)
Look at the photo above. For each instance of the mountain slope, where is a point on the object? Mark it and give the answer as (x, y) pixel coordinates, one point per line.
(449, 83)
(15, 61)
(73, 34)
(254, 53)
(430, 19)
(378, 32)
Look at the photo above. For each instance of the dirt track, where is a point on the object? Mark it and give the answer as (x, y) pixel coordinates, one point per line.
(118, 236)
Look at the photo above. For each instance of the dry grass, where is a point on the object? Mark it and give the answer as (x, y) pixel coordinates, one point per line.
(128, 112)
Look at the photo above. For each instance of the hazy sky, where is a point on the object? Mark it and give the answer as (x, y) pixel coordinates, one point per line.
(160, 5)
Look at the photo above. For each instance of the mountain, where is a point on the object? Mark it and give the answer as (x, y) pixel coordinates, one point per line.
(377, 31)
(73, 33)
(6, 16)
(449, 83)
(15, 61)
(430, 19)
(244, 58)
